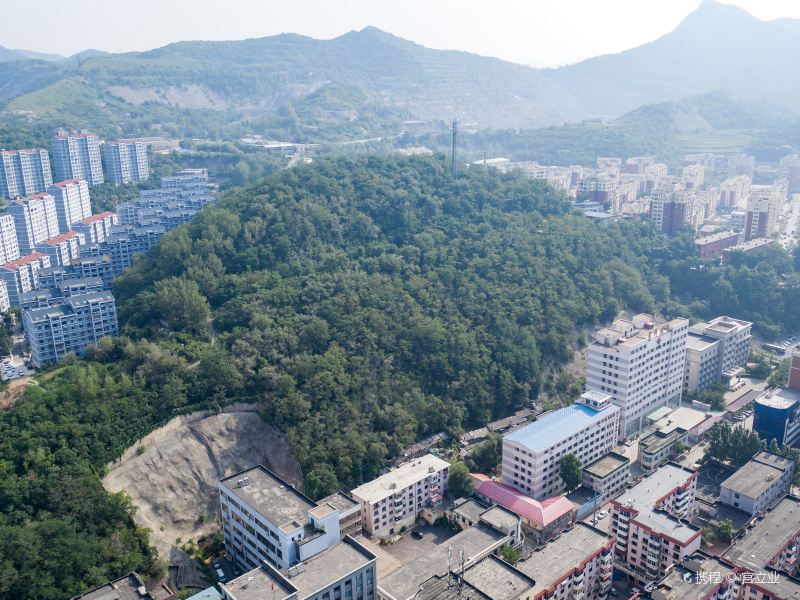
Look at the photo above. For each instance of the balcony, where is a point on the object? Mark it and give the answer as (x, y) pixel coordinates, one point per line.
(578, 595)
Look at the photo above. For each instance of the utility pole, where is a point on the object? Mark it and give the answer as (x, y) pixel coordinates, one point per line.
(453, 156)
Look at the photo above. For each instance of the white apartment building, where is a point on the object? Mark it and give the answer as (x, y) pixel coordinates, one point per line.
(651, 523)
(62, 249)
(759, 484)
(671, 209)
(24, 172)
(5, 303)
(531, 454)
(22, 275)
(716, 352)
(693, 176)
(35, 220)
(640, 363)
(763, 209)
(77, 156)
(96, 228)
(72, 202)
(126, 161)
(395, 499)
(9, 247)
(735, 191)
(264, 518)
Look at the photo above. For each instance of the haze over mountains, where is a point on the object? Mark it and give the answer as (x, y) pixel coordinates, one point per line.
(716, 48)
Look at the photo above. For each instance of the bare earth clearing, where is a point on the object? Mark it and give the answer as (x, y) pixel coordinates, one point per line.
(173, 479)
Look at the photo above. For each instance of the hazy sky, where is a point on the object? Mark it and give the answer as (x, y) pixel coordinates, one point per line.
(535, 32)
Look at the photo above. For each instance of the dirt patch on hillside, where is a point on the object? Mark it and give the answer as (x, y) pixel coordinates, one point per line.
(172, 476)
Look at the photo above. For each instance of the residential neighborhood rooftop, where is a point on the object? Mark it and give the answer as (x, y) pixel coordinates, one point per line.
(400, 478)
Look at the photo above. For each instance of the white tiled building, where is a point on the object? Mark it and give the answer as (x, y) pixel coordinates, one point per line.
(72, 202)
(640, 363)
(35, 220)
(395, 499)
(264, 518)
(531, 455)
(24, 172)
(126, 161)
(9, 247)
(77, 156)
(759, 484)
(716, 352)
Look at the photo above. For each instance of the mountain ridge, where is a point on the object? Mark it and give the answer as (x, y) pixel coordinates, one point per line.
(715, 48)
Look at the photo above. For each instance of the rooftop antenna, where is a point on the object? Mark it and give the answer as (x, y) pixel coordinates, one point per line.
(453, 154)
(449, 560)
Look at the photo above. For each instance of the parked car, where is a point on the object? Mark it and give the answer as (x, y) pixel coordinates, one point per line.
(221, 576)
(417, 535)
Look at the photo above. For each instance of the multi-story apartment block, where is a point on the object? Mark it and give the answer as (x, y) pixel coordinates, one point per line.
(577, 565)
(79, 268)
(123, 244)
(759, 484)
(9, 247)
(187, 180)
(21, 275)
(531, 455)
(638, 164)
(346, 570)
(651, 523)
(789, 171)
(640, 363)
(126, 161)
(608, 475)
(735, 165)
(672, 209)
(72, 202)
(350, 517)
(5, 303)
(600, 188)
(734, 191)
(266, 520)
(763, 209)
(771, 545)
(72, 326)
(77, 156)
(50, 296)
(96, 228)
(24, 172)
(35, 220)
(716, 352)
(659, 447)
(693, 176)
(609, 164)
(712, 246)
(395, 499)
(62, 249)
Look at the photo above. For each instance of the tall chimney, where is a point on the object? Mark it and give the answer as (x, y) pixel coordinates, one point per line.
(794, 371)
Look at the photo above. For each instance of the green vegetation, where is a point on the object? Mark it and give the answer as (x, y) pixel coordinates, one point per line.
(488, 454)
(510, 554)
(569, 468)
(725, 530)
(365, 304)
(779, 376)
(460, 483)
(733, 445)
(713, 396)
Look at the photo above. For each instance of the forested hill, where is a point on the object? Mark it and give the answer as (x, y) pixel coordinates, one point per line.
(371, 302)
(365, 303)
